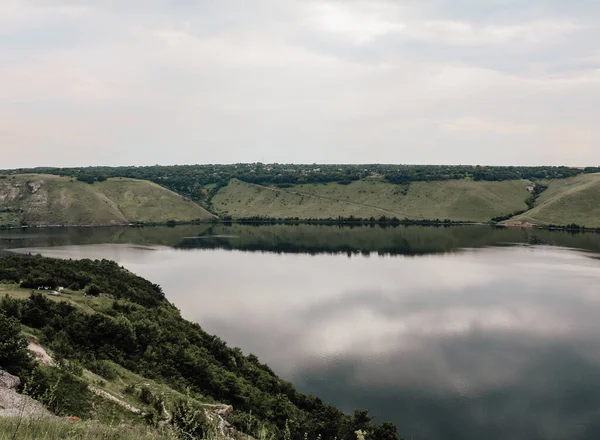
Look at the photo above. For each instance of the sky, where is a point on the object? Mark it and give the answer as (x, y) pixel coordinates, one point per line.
(110, 82)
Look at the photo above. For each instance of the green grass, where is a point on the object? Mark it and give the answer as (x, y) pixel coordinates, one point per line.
(86, 304)
(51, 429)
(116, 385)
(566, 201)
(453, 199)
(125, 381)
(55, 200)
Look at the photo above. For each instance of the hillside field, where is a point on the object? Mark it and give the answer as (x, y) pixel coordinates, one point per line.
(50, 200)
(453, 199)
(43, 200)
(573, 200)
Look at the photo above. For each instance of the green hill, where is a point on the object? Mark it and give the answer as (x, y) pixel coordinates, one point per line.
(566, 201)
(122, 354)
(43, 200)
(452, 199)
(37, 199)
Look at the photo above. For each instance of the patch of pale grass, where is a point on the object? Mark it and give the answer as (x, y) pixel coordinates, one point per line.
(51, 429)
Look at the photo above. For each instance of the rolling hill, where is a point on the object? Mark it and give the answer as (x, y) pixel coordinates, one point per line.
(566, 201)
(452, 199)
(43, 200)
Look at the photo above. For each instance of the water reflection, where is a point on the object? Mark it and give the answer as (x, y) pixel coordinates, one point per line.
(499, 342)
(309, 239)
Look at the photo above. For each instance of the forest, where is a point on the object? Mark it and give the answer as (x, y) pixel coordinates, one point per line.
(141, 331)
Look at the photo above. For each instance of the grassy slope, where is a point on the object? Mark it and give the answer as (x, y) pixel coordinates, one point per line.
(52, 429)
(454, 200)
(572, 200)
(54, 200)
(108, 417)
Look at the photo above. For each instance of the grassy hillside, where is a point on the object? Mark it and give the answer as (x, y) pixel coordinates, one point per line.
(130, 343)
(453, 199)
(52, 429)
(37, 199)
(566, 201)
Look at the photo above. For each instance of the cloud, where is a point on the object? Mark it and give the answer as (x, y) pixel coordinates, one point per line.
(303, 81)
(462, 33)
(362, 22)
(474, 124)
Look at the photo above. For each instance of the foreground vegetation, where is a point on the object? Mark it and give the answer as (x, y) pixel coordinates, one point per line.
(52, 429)
(131, 331)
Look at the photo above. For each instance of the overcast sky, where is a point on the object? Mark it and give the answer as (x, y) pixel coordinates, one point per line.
(136, 82)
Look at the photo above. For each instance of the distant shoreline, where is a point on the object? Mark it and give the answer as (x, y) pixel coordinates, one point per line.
(314, 222)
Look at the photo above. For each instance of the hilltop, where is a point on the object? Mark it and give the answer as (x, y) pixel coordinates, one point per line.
(38, 199)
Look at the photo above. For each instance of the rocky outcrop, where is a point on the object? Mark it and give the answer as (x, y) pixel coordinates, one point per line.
(13, 404)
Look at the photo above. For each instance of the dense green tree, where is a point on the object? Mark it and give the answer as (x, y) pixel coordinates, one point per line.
(14, 357)
(143, 332)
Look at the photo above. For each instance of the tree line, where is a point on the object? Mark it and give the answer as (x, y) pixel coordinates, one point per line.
(199, 181)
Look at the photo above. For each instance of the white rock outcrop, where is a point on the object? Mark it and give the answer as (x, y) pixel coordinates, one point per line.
(13, 404)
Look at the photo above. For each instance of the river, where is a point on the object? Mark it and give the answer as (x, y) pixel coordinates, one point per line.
(459, 332)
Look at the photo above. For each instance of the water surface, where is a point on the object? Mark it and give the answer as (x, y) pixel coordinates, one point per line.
(467, 333)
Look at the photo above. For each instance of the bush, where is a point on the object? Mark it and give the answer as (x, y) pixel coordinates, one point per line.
(190, 421)
(86, 178)
(93, 290)
(103, 368)
(60, 391)
(14, 356)
(146, 395)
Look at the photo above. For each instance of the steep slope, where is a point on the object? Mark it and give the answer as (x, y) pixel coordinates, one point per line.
(37, 199)
(130, 332)
(566, 201)
(452, 199)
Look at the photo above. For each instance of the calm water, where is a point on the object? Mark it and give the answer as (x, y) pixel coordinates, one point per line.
(463, 333)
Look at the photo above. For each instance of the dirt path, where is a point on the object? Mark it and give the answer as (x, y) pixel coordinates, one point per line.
(108, 396)
(329, 199)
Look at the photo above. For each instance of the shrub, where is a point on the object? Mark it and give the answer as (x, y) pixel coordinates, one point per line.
(60, 391)
(14, 357)
(75, 286)
(190, 421)
(146, 395)
(93, 290)
(103, 368)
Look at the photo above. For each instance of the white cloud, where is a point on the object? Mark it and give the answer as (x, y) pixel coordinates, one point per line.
(313, 81)
(463, 33)
(360, 22)
(475, 124)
